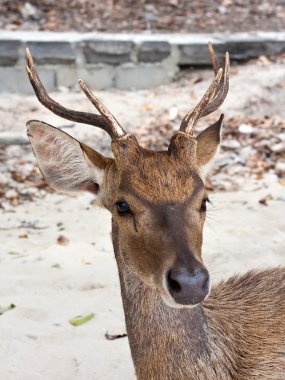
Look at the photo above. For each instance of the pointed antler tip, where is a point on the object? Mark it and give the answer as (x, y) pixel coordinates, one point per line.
(219, 74)
(29, 55)
(83, 85)
(210, 47)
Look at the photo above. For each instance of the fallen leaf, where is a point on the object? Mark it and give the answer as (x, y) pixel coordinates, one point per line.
(62, 240)
(40, 184)
(265, 199)
(23, 236)
(18, 177)
(4, 309)
(79, 320)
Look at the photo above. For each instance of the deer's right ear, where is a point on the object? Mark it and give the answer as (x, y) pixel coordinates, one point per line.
(65, 163)
(208, 144)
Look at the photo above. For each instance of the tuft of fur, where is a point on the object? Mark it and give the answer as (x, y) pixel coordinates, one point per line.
(65, 165)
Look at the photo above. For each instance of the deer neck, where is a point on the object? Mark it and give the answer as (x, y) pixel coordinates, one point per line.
(157, 333)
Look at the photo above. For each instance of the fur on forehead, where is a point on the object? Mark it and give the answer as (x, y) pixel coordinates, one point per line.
(182, 147)
(158, 176)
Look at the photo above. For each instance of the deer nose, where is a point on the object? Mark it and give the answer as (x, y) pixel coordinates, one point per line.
(188, 288)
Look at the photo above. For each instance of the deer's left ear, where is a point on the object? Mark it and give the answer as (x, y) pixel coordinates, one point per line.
(208, 144)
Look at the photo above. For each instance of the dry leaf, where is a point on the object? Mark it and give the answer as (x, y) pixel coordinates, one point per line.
(62, 240)
(23, 236)
(265, 199)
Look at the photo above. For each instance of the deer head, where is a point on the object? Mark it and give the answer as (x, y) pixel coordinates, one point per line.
(157, 198)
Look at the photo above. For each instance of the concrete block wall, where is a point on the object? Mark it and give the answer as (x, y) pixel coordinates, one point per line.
(125, 61)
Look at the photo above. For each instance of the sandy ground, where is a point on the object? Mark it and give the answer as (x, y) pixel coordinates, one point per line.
(51, 283)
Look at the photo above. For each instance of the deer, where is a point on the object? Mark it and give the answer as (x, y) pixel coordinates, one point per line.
(179, 326)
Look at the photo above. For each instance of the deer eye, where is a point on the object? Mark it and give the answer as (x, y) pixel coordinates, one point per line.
(204, 205)
(123, 208)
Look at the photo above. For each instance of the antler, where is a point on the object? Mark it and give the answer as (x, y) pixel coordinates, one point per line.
(214, 96)
(105, 121)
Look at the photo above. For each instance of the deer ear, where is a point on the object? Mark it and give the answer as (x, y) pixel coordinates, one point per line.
(208, 144)
(65, 163)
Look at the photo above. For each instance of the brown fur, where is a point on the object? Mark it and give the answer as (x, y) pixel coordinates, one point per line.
(235, 335)
(238, 332)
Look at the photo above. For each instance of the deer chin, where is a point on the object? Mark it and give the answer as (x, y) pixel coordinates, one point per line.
(169, 301)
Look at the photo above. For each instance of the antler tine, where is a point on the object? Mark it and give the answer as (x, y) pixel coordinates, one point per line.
(190, 120)
(102, 122)
(116, 127)
(214, 58)
(223, 89)
(214, 96)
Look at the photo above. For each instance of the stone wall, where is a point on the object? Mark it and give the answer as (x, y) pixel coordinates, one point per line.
(125, 61)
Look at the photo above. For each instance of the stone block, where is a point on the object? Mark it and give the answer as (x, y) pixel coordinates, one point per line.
(9, 52)
(15, 80)
(153, 51)
(56, 52)
(13, 138)
(244, 49)
(100, 77)
(143, 76)
(66, 76)
(197, 54)
(241, 48)
(109, 52)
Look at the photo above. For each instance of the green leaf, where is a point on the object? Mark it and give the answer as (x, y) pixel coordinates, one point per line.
(78, 321)
(4, 309)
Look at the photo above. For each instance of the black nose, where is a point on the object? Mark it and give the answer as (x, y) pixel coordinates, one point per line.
(188, 288)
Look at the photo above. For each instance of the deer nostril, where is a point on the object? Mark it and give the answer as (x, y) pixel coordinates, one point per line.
(206, 284)
(173, 284)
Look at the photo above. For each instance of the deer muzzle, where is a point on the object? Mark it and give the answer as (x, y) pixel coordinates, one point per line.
(188, 288)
